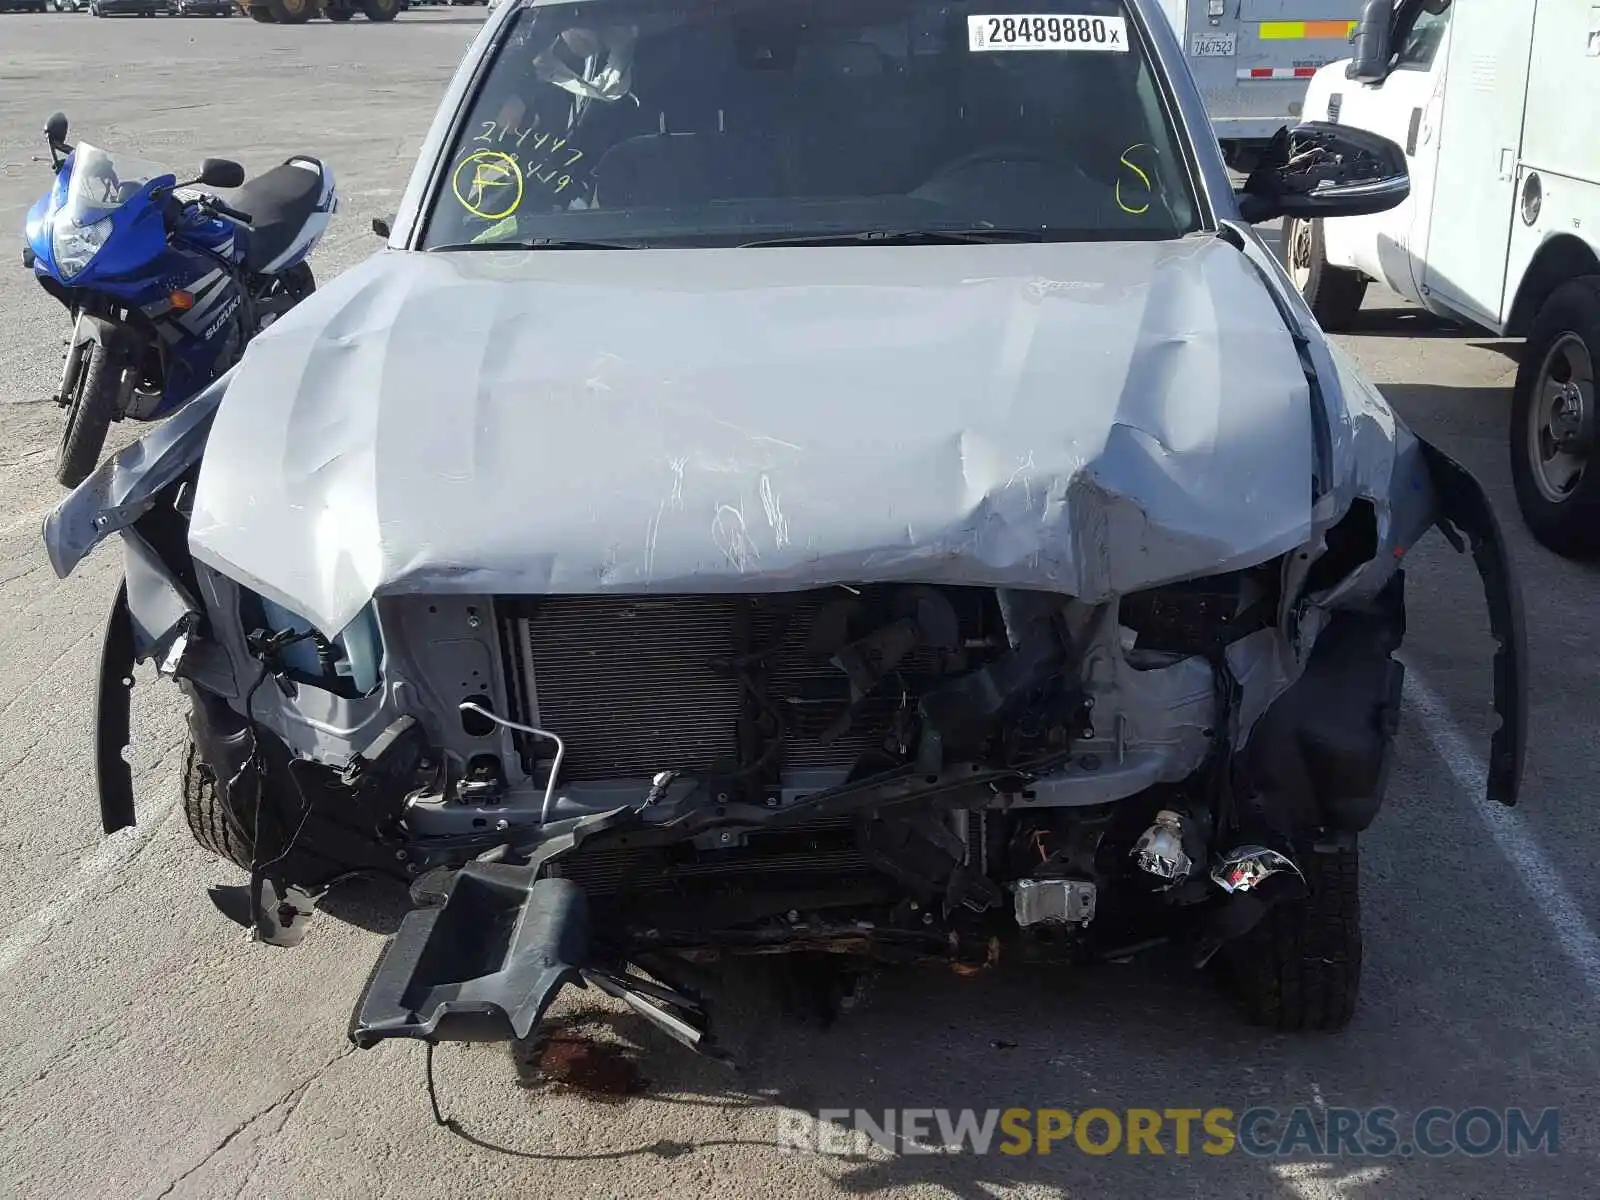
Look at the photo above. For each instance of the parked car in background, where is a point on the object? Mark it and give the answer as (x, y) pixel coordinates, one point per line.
(127, 8)
(201, 8)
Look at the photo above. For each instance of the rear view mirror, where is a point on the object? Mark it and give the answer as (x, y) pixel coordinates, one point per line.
(221, 172)
(1369, 61)
(1322, 170)
(55, 129)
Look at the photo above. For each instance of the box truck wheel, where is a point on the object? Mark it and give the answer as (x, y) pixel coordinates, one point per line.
(1553, 422)
(1334, 293)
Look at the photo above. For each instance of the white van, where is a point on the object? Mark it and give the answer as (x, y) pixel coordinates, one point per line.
(1495, 104)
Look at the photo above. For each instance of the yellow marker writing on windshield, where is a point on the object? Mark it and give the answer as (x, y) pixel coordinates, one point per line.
(1149, 185)
(484, 174)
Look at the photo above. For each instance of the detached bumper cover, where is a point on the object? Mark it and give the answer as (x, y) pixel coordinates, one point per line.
(484, 966)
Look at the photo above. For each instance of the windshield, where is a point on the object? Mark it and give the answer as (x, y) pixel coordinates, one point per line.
(728, 122)
(103, 182)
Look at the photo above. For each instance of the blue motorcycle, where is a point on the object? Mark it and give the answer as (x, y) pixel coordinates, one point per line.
(166, 284)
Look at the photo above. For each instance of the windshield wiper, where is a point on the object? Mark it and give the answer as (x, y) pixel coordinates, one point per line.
(981, 236)
(535, 244)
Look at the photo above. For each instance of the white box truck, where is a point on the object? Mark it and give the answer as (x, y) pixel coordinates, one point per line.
(1254, 58)
(1497, 104)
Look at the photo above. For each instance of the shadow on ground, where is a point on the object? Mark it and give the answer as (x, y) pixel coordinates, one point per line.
(1471, 424)
(1407, 323)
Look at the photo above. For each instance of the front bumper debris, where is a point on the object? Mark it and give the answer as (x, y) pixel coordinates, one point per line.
(483, 966)
(486, 964)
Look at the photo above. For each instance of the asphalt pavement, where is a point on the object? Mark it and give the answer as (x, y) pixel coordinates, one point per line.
(148, 1050)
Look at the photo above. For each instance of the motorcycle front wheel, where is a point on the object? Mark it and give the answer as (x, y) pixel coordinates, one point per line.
(89, 416)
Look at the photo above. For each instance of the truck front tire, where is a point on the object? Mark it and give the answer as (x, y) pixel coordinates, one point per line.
(1554, 422)
(1334, 294)
(1299, 970)
(214, 822)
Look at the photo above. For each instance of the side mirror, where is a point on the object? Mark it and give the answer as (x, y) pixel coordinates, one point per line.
(55, 129)
(1321, 170)
(380, 226)
(1369, 61)
(221, 172)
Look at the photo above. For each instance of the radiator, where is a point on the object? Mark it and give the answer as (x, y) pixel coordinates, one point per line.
(629, 682)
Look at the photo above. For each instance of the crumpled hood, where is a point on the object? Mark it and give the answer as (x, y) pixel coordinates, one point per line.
(1086, 418)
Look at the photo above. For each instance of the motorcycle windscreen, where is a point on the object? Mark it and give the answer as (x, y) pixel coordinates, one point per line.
(103, 182)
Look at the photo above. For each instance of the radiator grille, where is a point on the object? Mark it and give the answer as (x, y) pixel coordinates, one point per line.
(630, 684)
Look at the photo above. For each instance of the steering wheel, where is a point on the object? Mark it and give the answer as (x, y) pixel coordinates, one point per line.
(999, 153)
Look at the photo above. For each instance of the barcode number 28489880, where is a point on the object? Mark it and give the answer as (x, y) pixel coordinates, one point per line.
(1046, 31)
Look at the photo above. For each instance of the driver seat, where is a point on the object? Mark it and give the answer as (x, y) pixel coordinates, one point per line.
(280, 203)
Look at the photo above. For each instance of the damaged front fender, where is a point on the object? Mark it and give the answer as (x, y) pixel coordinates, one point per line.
(1373, 457)
(162, 612)
(1319, 754)
(125, 486)
(155, 614)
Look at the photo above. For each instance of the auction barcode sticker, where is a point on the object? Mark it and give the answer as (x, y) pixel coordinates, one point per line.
(1041, 31)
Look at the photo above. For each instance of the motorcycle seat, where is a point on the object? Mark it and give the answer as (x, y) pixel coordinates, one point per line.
(280, 202)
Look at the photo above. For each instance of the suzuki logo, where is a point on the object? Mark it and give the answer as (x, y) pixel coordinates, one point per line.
(228, 310)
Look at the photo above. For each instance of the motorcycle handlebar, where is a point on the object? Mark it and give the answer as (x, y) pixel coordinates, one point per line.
(226, 210)
(173, 207)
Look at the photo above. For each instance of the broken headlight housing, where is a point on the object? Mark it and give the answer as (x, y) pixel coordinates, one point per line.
(349, 665)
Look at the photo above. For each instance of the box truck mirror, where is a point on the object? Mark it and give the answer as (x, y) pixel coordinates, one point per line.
(1369, 62)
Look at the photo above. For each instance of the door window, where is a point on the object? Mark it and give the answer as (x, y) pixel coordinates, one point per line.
(1420, 42)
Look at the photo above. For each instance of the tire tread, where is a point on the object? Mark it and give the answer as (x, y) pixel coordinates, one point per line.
(204, 808)
(88, 420)
(1334, 294)
(1300, 969)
